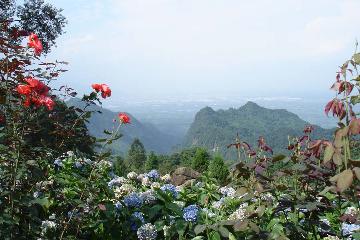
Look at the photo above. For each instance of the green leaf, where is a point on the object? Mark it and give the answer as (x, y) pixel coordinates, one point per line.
(356, 58)
(278, 158)
(224, 231)
(198, 238)
(214, 236)
(44, 202)
(329, 152)
(231, 236)
(199, 229)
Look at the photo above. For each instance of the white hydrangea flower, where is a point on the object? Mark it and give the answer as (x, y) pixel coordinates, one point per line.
(155, 185)
(240, 213)
(132, 175)
(353, 211)
(146, 182)
(166, 178)
(227, 191)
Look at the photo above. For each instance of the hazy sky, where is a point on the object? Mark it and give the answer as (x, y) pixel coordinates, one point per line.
(153, 49)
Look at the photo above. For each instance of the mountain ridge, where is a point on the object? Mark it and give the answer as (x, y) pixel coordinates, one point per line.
(149, 135)
(216, 129)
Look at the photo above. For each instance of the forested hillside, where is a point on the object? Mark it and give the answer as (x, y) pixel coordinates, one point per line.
(217, 129)
(152, 138)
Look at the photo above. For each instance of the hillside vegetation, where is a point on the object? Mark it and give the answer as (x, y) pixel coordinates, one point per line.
(217, 129)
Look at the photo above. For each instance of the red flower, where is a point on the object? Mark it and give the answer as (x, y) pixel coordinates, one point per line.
(37, 86)
(96, 87)
(103, 88)
(124, 118)
(35, 43)
(36, 93)
(48, 102)
(23, 89)
(105, 91)
(337, 108)
(262, 145)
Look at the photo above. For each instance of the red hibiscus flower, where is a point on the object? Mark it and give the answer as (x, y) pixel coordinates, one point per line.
(124, 118)
(35, 43)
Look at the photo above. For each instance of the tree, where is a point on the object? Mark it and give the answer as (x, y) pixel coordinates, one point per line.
(152, 162)
(136, 156)
(35, 16)
(119, 166)
(201, 160)
(217, 169)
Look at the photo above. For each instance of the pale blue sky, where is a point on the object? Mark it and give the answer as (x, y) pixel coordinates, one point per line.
(153, 49)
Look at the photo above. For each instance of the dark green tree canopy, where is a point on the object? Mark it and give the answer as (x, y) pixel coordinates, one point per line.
(35, 16)
(136, 156)
(200, 161)
(218, 169)
(152, 162)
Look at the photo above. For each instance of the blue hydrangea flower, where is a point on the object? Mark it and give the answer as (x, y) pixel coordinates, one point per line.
(78, 164)
(190, 213)
(118, 205)
(139, 216)
(58, 163)
(133, 200)
(153, 175)
(147, 232)
(170, 188)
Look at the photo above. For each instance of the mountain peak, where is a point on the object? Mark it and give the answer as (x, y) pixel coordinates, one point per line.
(251, 104)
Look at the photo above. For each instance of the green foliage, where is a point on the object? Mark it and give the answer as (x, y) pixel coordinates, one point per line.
(119, 166)
(217, 129)
(218, 170)
(136, 156)
(200, 161)
(151, 162)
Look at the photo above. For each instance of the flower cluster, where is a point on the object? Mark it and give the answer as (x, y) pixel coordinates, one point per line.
(153, 175)
(227, 191)
(103, 88)
(190, 213)
(133, 200)
(171, 189)
(36, 93)
(147, 232)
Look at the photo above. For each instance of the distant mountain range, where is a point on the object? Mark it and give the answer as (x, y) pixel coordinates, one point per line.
(216, 129)
(149, 135)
